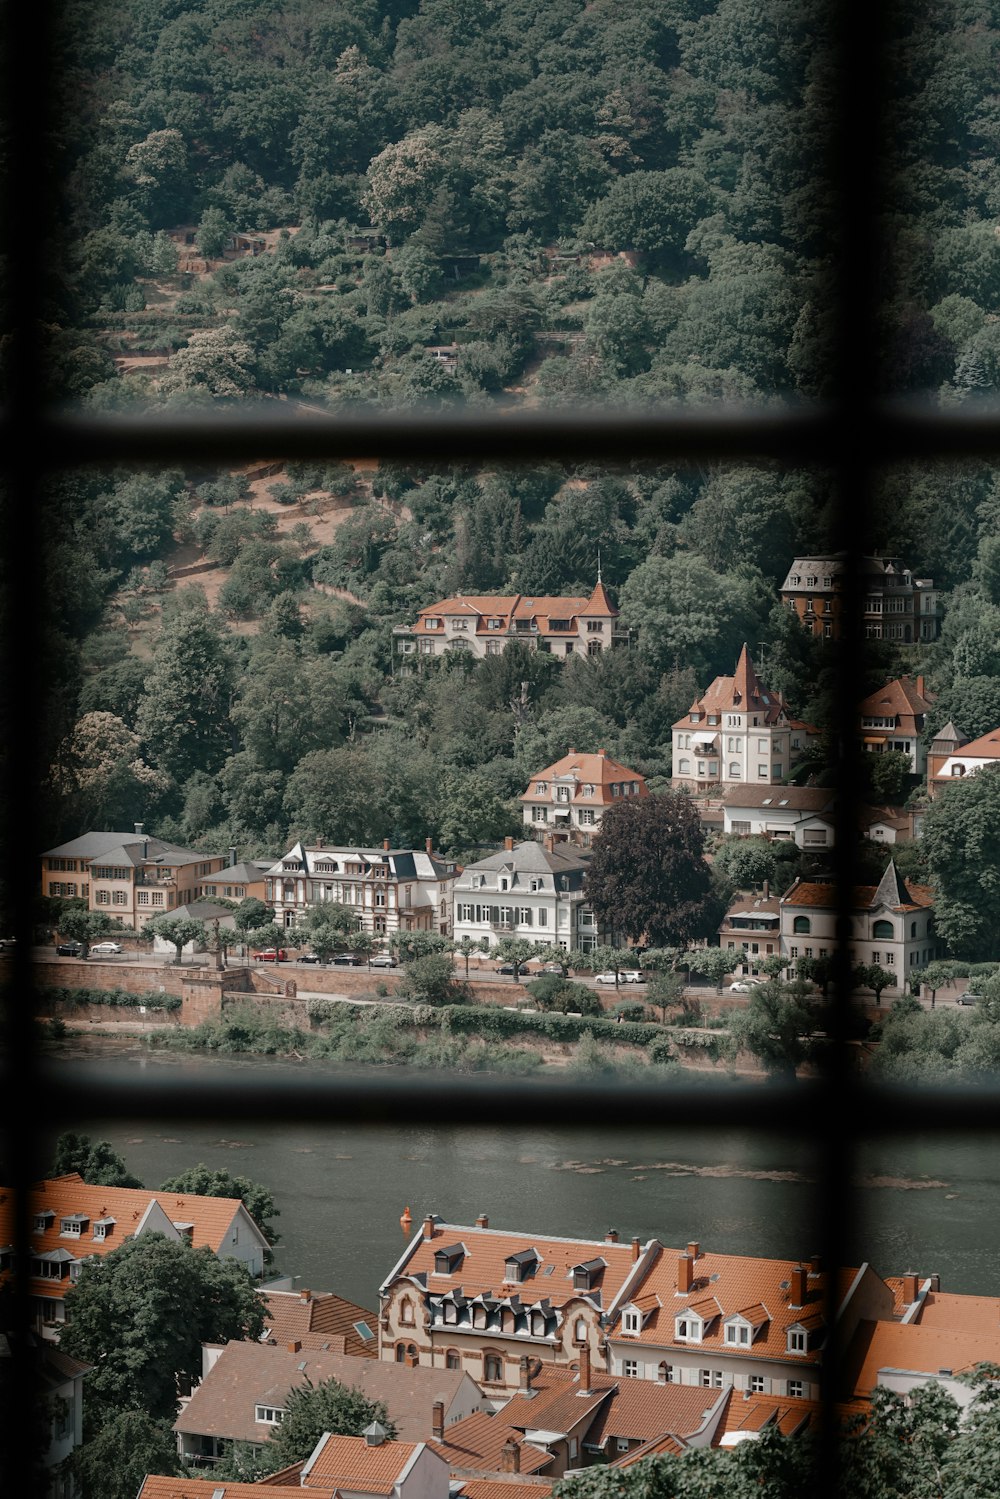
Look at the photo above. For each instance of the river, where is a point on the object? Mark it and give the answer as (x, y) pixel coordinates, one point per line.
(923, 1204)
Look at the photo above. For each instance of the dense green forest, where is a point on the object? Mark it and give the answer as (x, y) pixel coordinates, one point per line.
(618, 201)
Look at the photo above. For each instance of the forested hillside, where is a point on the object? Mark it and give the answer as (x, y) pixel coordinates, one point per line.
(457, 202)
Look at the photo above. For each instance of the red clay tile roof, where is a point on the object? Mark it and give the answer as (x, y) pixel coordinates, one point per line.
(665, 1446)
(824, 896)
(249, 1374)
(742, 693)
(297, 1314)
(66, 1196)
(898, 698)
(599, 771)
(507, 607)
(732, 1283)
(155, 1486)
(349, 1463)
(506, 1487)
(482, 1269)
(946, 1309)
(477, 1442)
(930, 1350)
(643, 1410)
(986, 747)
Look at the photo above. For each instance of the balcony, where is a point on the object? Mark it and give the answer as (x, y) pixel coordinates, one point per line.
(502, 925)
(159, 881)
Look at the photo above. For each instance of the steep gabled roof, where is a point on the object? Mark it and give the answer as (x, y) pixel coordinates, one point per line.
(597, 770)
(742, 692)
(897, 699)
(295, 1314)
(349, 1463)
(477, 1443)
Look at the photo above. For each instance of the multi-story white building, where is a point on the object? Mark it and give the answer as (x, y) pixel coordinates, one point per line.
(893, 719)
(390, 890)
(571, 796)
(892, 923)
(528, 890)
(738, 731)
(484, 624)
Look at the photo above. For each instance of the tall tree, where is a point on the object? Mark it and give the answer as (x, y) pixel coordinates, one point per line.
(140, 1314)
(961, 839)
(648, 877)
(203, 1181)
(95, 1160)
(183, 715)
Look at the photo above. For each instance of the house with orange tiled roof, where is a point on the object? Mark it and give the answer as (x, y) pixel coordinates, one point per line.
(245, 1387)
(373, 1467)
(507, 1486)
(321, 1317)
(158, 1486)
(892, 923)
(748, 1416)
(901, 1356)
(569, 797)
(952, 757)
(484, 625)
(487, 1443)
(72, 1221)
(479, 1299)
(893, 717)
(738, 731)
(714, 1320)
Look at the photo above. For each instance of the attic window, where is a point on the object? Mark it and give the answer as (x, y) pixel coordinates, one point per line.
(585, 1275)
(738, 1334)
(73, 1225)
(689, 1329)
(269, 1415)
(519, 1267)
(447, 1261)
(364, 1331)
(43, 1220)
(631, 1320)
(103, 1228)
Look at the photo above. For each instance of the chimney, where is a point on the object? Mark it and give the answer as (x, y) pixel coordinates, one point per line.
(815, 1264)
(233, 860)
(524, 1373)
(437, 1420)
(429, 845)
(548, 843)
(138, 829)
(603, 754)
(428, 1228)
(295, 1346)
(482, 1221)
(584, 1375)
(611, 1237)
(508, 844)
(767, 888)
(305, 1296)
(385, 845)
(636, 1250)
(797, 1286)
(510, 1458)
(920, 686)
(909, 1287)
(685, 1274)
(694, 1249)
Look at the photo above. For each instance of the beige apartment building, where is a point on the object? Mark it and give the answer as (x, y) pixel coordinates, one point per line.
(484, 625)
(131, 876)
(570, 797)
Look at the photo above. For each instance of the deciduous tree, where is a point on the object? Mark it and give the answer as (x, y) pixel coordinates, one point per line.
(203, 1181)
(648, 877)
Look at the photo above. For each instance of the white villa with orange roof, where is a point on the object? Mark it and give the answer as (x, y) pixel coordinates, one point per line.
(484, 624)
(892, 923)
(72, 1222)
(572, 795)
(951, 757)
(893, 719)
(737, 731)
(714, 1320)
(481, 1299)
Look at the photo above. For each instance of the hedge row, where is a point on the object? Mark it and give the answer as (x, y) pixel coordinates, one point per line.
(77, 998)
(494, 1023)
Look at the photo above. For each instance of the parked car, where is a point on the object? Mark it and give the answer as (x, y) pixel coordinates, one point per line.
(551, 968)
(69, 949)
(106, 947)
(743, 986)
(270, 955)
(382, 960)
(505, 968)
(625, 976)
(347, 960)
(968, 999)
(310, 957)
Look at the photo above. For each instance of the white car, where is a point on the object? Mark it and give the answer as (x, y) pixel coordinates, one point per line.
(743, 986)
(625, 976)
(382, 960)
(107, 947)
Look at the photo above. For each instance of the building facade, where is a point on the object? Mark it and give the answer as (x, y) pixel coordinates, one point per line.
(738, 731)
(570, 797)
(892, 924)
(484, 625)
(132, 877)
(893, 719)
(897, 606)
(951, 757)
(530, 890)
(389, 890)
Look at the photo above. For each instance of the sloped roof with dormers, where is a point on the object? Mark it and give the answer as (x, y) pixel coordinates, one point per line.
(591, 777)
(542, 609)
(741, 693)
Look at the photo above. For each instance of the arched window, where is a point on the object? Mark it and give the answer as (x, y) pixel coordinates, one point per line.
(406, 1312)
(665, 1373)
(802, 924)
(684, 767)
(883, 929)
(913, 928)
(580, 1330)
(452, 1359)
(493, 1368)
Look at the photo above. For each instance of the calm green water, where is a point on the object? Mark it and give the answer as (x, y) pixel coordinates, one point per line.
(921, 1204)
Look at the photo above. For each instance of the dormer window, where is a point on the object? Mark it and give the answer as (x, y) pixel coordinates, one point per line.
(520, 1267)
(103, 1228)
(72, 1225)
(587, 1274)
(434, 624)
(631, 1320)
(540, 788)
(738, 1334)
(447, 1261)
(269, 1415)
(798, 1340)
(689, 1329)
(43, 1221)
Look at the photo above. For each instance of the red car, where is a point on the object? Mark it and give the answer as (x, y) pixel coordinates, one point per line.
(270, 955)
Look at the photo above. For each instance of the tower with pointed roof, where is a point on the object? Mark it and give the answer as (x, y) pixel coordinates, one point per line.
(737, 732)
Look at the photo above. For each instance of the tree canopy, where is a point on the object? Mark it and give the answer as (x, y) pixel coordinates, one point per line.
(647, 876)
